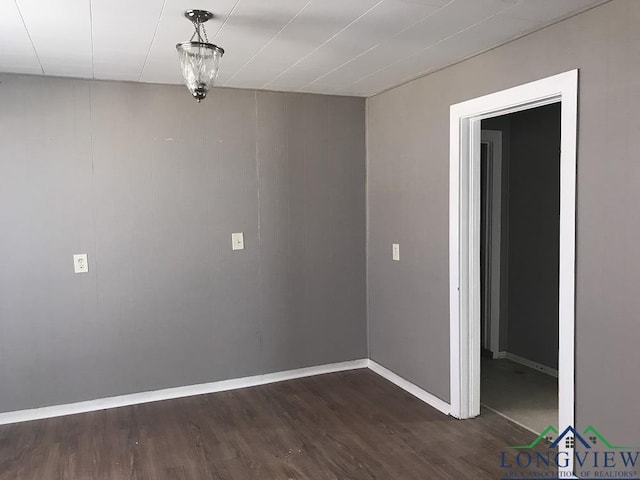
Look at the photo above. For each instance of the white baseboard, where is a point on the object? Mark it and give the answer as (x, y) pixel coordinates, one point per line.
(528, 363)
(413, 389)
(177, 392)
(221, 386)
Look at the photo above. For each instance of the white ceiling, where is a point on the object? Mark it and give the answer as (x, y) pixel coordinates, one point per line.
(346, 47)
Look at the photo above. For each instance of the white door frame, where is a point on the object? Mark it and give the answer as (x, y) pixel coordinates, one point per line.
(493, 139)
(464, 236)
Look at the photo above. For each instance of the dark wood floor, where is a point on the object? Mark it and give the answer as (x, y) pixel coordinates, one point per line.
(352, 425)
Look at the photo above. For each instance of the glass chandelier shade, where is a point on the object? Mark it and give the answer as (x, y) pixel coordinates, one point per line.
(199, 59)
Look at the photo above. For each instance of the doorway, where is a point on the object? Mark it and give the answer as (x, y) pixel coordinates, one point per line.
(519, 254)
(464, 238)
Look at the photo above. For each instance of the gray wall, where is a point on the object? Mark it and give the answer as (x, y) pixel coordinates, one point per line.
(408, 175)
(532, 186)
(151, 185)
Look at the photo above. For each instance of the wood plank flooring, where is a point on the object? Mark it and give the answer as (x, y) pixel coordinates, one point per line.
(352, 425)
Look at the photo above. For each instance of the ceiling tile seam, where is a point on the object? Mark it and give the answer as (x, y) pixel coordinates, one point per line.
(437, 69)
(24, 24)
(93, 62)
(231, 12)
(270, 40)
(433, 45)
(422, 19)
(321, 45)
(566, 15)
(153, 39)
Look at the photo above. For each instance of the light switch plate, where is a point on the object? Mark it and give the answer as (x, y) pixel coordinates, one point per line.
(80, 263)
(395, 251)
(237, 241)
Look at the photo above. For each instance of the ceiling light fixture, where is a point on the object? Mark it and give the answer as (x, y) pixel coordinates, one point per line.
(199, 59)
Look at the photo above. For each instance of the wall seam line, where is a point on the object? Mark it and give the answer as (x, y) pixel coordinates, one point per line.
(367, 221)
(93, 204)
(258, 238)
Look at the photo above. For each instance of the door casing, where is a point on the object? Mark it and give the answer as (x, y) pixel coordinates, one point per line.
(464, 238)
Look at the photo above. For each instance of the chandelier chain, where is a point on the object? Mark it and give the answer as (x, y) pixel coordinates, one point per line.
(198, 26)
(204, 30)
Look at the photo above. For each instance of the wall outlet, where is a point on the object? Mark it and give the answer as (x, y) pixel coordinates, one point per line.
(80, 263)
(237, 241)
(395, 251)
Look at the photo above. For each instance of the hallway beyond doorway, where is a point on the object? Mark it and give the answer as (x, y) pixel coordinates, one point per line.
(522, 394)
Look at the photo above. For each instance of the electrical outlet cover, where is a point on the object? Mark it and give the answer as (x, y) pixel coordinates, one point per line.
(80, 263)
(237, 241)
(395, 252)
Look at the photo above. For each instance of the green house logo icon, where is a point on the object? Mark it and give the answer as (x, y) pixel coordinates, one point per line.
(570, 438)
